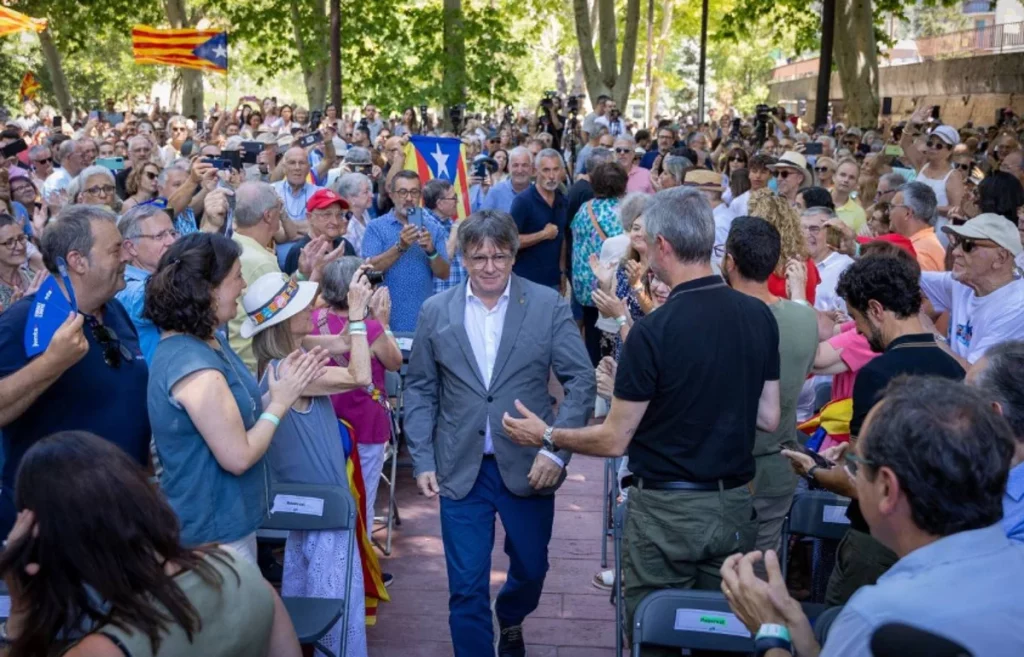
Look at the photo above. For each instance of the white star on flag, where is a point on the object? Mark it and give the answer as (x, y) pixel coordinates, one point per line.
(220, 52)
(442, 162)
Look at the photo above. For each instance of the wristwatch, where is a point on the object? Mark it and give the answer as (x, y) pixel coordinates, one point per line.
(810, 474)
(546, 440)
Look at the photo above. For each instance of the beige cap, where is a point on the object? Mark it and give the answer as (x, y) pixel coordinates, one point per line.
(993, 227)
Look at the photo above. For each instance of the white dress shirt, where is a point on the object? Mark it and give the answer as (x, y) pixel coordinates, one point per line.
(825, 297)
(484, 327)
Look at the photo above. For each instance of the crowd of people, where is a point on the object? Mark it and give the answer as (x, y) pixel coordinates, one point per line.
(229, 287)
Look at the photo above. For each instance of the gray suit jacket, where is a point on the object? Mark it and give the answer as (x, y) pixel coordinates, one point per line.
(447, 402)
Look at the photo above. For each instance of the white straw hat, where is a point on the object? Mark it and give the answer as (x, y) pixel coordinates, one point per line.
(272, 299)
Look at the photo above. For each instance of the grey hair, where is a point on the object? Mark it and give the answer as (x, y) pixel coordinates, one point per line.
(828, 213)
(434, 190)
(77, 185)
(520, 151)
(349, 184)
(253, 199)
(67, 147)
(494, 225)
(676, 165)
(176, 119)
(72, 231)
(1003, 382)
(920, 198)
(130, 223)
(36, 151)
(825, 139)
(627, 138)
(894, 180)
(683, 217)
(630, 207)
(598, 156)
(336, 278)
(161, 180)
(548, 154)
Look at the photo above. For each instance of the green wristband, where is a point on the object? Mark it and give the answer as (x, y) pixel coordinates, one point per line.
(271, 418)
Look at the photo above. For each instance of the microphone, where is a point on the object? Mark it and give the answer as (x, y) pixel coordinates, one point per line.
(900, 640)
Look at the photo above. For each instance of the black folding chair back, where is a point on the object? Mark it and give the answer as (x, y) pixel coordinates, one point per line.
(816, 514)
(698, 620)
(316, 507)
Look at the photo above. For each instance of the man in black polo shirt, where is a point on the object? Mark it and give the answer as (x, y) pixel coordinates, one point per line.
(883, 296)
(540, 215)
(696, 378)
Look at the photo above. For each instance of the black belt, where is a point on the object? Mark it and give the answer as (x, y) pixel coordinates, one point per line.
(724, 484)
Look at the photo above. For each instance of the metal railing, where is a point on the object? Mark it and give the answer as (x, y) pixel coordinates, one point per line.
(988, 40)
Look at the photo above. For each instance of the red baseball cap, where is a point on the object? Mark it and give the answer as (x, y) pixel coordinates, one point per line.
(893, 238)
(323, 198)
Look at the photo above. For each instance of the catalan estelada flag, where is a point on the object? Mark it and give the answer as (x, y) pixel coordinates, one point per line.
(12, 22)
(203, 49)
(440, 157)
(29, 87)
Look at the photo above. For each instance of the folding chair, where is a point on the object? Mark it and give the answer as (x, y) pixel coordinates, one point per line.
(404, 339)
(392, 520)
(316, 507)
(817, 514)
(698, 620)
(618, 526)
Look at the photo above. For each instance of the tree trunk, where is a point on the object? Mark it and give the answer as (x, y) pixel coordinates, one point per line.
(314, 73)
(856, 57)
(659, 58)
(191, 79)
(607, 77)
(56, 69)
(453, 82)
(336, 55)
(828, 31)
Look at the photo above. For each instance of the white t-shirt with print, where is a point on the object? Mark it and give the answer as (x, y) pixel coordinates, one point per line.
(976, 323)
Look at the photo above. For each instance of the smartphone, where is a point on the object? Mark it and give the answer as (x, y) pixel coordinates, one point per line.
(894, 149)
(887, 106)
(480, 171)
(819, 460)
(200, 126)
(250, 150)
(58, 122)
(233, 157)
(812, 148)
(219, 163)
(95, 114)
(309, 140)
(13, 148)
(112, 163)
(863, 149)
(414, 217)
(314, 120)
(374, 277)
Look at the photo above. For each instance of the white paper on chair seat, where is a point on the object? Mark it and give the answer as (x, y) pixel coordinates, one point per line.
(405, 344)
(710, 622)
(306, 506)
(834, 514)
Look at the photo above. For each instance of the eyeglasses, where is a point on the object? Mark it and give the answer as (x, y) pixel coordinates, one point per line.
(936, 145)
(104, 190)
(854, 463)
(813, 230)
(967, 244)
(162, 235)
(113, 351)
(738, 158)
(151, 175)
(965, 166)
(16, 241)
(785, 173)
(407, 193)
(448, 198)
(39, 163)
(821, 169)
(179, 128)
(623, 150)
(500, 261)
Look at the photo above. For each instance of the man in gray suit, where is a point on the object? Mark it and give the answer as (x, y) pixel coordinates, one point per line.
(479, 347)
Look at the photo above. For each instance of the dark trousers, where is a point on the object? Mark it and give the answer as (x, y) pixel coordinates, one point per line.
(860, 561)
(592, 334)
(467, 530)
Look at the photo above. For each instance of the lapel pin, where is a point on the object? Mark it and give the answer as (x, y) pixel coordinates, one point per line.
(522, 301)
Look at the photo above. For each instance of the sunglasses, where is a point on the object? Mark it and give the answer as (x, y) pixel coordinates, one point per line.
(737, 158)
(623, 150)
(151, 175)
(936, 145)
(784, 174)
(963, 167)
(40, 163)
(967, 244)
(821, 169)
(113, 351)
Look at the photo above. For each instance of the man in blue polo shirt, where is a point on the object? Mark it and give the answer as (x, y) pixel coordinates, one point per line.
(540, 216)
(92, 377)
(407, 244)
(520, 171)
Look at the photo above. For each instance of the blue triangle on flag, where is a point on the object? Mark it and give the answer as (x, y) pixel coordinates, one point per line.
(214, 49)
(441, 155)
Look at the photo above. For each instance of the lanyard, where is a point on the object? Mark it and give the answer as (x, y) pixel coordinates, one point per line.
(62, 269)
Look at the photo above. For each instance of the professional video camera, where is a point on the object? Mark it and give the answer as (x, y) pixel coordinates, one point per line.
(572, 104)
(549, 99)
(762, 119)
(455, 114)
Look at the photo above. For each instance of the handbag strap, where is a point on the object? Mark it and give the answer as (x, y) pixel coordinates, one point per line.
(594, 222)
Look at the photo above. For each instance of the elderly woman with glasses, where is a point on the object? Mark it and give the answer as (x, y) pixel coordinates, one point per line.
(95, 186)
(16, 278)
(824, 170)
(933, 162)
(141, 185)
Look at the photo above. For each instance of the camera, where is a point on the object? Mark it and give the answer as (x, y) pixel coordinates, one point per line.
(762, 118)
(374, 277)
(572, 104)
(455, 114)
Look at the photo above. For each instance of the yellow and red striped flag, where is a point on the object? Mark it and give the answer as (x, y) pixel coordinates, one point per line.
(203, 49)
(12, 22)
(29, 87)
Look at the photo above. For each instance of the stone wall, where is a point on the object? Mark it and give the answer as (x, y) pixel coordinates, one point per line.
(966, 89)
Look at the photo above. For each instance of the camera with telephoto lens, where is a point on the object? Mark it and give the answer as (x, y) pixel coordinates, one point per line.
(762, 118)
(572, 104)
